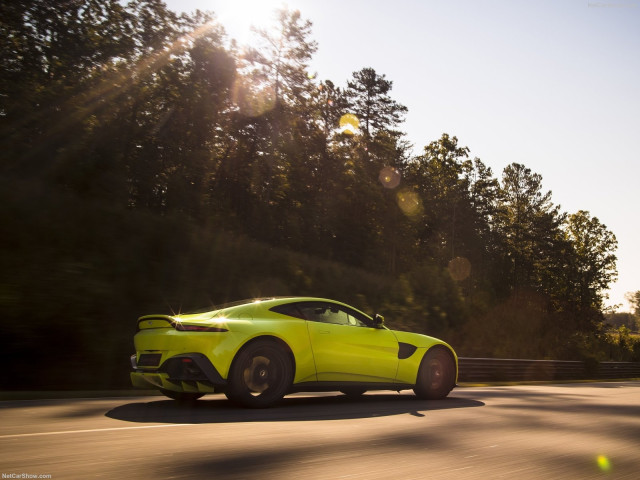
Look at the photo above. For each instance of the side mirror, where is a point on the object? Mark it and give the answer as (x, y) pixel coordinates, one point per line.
(378, 321)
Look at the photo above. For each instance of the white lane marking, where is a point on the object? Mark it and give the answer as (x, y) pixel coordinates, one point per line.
(62, 432)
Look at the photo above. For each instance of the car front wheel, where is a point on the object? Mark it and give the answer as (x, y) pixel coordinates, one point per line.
(436, 376)
(260, 375)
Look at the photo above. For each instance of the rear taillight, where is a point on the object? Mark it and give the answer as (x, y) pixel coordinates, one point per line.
(198, 328)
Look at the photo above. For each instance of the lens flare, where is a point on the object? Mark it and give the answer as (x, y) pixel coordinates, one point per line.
(409, 202)
(349, 124)
(252, 101)
(389, 177)
(603, 463)
(459, 268)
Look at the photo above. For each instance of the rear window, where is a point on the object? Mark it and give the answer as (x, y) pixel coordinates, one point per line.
(289, 309)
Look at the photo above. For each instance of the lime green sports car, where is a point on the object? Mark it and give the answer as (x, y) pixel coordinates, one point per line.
(257, 351)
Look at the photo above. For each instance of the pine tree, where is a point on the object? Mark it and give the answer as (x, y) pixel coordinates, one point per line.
(368, 95)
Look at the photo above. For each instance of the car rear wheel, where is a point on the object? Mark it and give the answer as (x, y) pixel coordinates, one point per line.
(436, 376)
(184, 397)
(260, 375)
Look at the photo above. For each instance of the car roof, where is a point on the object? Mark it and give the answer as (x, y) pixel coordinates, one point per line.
(265, 303)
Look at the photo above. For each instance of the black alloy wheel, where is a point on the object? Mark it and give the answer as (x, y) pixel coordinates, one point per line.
(436, 376)
(261, 374)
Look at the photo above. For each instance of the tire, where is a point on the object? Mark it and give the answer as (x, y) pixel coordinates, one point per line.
(436, 376)
(260, 375)
(353, 391)
(183, 397)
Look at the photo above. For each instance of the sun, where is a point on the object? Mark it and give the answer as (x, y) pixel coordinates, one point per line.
(238, 16)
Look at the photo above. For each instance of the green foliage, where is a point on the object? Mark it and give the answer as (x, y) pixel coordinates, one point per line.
(149, 165)
(616, 320)
(620, 345)
(595, 262)
(529, 224)
(368, 95)
(634, 299)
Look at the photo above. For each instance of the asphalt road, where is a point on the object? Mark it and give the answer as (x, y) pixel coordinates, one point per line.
(575, 431)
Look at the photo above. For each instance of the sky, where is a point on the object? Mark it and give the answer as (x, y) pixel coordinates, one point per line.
(551, 84)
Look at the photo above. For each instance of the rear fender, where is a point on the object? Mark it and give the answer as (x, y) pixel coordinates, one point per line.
(299, 350)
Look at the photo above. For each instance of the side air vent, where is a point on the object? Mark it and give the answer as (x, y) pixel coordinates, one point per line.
(405, 350)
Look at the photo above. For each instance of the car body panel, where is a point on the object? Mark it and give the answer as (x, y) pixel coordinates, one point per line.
(370, 355)
(221, 347)
(323, 354)
(408, 368)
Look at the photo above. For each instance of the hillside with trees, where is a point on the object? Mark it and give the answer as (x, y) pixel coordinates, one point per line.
(148, 164)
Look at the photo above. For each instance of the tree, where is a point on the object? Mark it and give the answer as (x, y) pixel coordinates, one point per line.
(275, 75)
(368, 95)
(488, 247)
(283, 59)
(594, 259)
(194, 121)
(331, 105)
(52, 57)
(529, 224)
(634, 299)
(441, 176)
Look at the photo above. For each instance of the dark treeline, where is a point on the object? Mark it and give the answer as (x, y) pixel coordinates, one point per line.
(149, 164)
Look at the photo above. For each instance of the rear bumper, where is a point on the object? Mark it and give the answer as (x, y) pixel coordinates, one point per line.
(189, 372)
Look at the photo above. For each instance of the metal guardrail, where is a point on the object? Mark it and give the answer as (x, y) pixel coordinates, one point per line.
(497, 370)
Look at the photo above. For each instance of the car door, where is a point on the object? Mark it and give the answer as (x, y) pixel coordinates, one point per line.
(346, 348)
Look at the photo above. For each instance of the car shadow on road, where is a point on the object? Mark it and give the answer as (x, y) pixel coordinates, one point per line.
(294, 408)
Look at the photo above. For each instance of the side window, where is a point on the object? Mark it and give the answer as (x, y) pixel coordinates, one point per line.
(356, 319)
(331, 313)
(322, 312)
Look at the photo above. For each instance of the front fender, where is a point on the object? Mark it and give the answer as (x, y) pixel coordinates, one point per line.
(408, 367)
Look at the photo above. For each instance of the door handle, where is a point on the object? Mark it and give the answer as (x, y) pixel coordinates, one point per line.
(324, 332)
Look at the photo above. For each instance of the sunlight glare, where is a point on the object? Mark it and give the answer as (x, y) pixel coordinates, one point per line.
(252, 101)
(409, 202)
(239, 16)
(349, 124)
(389, 177)
(603, 463)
